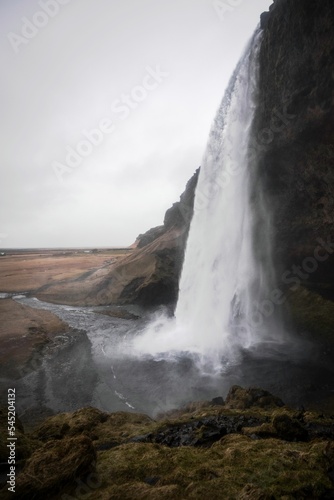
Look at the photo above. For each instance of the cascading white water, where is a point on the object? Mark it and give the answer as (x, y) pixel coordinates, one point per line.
(221, 280)
(219, 267)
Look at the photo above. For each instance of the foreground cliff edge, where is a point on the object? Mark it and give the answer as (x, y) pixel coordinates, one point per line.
(249, 447)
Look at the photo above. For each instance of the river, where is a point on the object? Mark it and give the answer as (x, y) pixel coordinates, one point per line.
(95, 365)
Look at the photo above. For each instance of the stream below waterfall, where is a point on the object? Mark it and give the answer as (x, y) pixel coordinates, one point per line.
(98, 367)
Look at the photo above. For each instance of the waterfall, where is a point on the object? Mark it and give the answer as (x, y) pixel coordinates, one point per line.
(222, 281)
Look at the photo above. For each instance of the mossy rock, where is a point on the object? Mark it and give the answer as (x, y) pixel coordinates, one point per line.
(25, 444)
(104, 429)
(265, 456)
(311, 312)
(55, 466)
(240, 398)
(70, 424)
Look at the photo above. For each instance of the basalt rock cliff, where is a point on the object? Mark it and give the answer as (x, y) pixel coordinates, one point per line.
(294, 145)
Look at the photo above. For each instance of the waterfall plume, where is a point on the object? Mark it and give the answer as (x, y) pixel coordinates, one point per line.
(222, 280)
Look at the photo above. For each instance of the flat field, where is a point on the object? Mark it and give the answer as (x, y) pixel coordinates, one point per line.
(29, 270)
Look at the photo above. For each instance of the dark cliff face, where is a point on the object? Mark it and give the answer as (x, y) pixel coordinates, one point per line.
(294, 141)
(179, 215)
(162, 287)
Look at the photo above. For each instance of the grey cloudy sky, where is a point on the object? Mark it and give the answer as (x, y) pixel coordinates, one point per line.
(149, 74)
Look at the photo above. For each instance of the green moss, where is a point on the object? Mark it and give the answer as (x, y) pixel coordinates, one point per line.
(234, 467)
(311, 312)
(275, 468)
(25, 444)
(101, 427)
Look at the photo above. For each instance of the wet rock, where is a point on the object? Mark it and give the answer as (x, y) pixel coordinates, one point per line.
(198, 432)
(294, 143)
(118, 313)
(240, 398)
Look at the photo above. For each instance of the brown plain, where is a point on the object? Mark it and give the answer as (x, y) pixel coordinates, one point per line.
(26, 272)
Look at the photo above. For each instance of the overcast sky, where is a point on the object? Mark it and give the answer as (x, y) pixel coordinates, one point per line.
(107, 106)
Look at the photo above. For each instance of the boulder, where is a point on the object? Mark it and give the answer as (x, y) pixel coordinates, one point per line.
(70, 424)
(240, 398)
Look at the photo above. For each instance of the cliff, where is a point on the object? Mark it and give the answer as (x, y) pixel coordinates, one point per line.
(294, 145)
